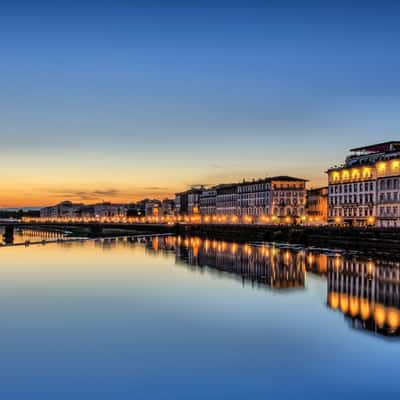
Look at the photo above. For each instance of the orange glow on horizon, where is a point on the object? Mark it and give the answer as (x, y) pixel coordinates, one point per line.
(12, 196)
(40, 183)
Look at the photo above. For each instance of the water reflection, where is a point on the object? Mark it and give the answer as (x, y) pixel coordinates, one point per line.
(31, 235)
(367, 292)
(259, 264)
(128, 316)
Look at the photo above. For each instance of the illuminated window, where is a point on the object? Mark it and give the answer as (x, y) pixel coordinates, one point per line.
(366, 172)
(355, 174)
(382, 167)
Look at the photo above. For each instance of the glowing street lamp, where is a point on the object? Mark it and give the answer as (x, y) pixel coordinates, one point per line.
(371, 221)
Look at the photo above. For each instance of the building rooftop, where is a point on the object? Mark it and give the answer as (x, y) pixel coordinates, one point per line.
(191, 190)
(378, 148)
(274, 178)
(223, 186)
(369, 155)
(286, 178)
(317, 190)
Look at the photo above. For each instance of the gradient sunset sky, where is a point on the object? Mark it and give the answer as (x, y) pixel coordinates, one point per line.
(120, 100)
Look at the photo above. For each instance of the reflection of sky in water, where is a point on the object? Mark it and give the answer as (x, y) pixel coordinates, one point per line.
(86, 321)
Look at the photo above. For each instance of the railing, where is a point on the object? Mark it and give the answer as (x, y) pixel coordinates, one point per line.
(195, 219)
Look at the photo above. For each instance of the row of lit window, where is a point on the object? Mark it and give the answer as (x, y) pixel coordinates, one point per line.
(354, 175)
(351, 212)
(255, 195)
(288, 194)
(387, 184)
(346, 199)
(389, 196)
(352, 187)
(226, 204)
(245, 203)
(388, 211)
(252, 188)
(288, 201)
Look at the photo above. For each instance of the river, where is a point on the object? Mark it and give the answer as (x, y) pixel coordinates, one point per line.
(184, 318)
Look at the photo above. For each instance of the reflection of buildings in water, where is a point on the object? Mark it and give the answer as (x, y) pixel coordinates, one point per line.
(277, 269)
(366, 292)
(265, 265)
(317, 263)
(158, 245)
(106, 243)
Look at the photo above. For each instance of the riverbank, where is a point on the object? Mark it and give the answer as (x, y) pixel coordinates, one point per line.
(368, 240)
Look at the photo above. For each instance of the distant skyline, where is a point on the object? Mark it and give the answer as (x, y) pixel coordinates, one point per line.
(121, 100)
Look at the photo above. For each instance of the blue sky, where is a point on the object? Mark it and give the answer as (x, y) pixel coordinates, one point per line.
(145, 98)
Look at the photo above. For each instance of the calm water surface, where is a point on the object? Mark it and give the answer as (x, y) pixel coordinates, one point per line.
(33, 236)
(188, 319)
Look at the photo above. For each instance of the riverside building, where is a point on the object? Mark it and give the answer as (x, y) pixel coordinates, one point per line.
(280, 199)
(226, 200)
(106, 209)
(317, 206)
(152, 207)
(187, 203)
(168, 207)
(365, 189)
(207, 202)
(65, 209)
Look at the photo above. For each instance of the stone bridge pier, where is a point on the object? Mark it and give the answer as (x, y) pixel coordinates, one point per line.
(95, 230)
(8, 234)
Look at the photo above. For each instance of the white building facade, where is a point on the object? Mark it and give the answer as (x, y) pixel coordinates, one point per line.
(365, 190)
(226, 200)
(110, 210)
(278, 199)
(289, 197)
(207, 202)
(188, 203)
(66, 209)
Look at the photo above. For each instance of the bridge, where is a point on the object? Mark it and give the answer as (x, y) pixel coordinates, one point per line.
(91, 229)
